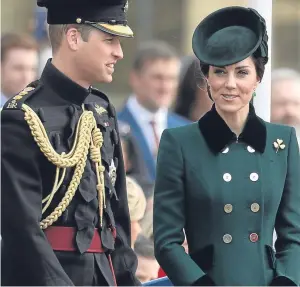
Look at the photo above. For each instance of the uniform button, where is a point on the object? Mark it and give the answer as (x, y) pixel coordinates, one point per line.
(225, 150)
(255, 207)
(250, 149)
(227, 177)
(253, 176)
(253, 237)
(228, 208)
(227, 238)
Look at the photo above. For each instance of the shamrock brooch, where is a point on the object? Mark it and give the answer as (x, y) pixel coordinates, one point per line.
(278, 144)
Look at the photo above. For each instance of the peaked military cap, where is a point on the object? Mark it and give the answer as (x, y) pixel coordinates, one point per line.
(106, 15)
(230, 35)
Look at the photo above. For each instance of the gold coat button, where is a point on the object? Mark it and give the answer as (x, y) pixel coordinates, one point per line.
(228, 208)
(253, 237)
(255, 207)
(227, 238)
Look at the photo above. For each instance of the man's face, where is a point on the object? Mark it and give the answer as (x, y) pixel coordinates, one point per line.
(286, 103)
(147, 269)
(97, 57)
(18, 69)
(155, 85)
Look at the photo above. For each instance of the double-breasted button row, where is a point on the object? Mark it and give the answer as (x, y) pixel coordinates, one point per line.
(228, 208)
(227, 238)
(227, 176)
(249, 149)
(253, 177)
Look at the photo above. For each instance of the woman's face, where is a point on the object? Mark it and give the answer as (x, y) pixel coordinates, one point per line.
(232, 86)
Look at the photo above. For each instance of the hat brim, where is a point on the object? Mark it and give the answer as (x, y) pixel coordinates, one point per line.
(228, 36)
(117, 30)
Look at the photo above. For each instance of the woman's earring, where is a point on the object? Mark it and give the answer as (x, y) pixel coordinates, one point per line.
(254, 94)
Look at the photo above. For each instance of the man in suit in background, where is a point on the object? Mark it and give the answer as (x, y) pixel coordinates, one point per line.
(19, 62)
(154, 80)
(285, 108)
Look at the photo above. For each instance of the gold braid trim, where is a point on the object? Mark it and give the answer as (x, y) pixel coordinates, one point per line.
(88, 136)
(96, 145)
(82, 138)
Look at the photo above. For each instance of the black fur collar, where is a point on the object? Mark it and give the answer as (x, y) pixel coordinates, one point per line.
(217, 134)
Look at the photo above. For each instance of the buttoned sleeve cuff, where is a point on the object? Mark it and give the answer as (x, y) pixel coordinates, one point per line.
(282, 281)
(205, 280)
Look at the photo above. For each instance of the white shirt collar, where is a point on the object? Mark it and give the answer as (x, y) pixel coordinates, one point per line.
(143, 117)
(4, 99)
(142, 114)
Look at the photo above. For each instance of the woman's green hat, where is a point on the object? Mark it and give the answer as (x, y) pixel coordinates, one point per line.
(230, 35)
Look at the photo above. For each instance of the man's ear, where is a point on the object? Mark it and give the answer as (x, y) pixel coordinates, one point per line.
(73, 38)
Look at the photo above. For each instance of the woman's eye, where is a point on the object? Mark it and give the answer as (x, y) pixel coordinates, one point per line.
(219, 71)
(243, 72)
(109, 40)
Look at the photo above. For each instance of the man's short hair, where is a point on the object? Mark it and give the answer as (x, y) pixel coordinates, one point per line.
(144, 247)
(284, 74)
(57, 31)
(151, 51)
(11, 41)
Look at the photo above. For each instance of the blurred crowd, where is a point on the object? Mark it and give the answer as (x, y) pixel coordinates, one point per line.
(167, 91)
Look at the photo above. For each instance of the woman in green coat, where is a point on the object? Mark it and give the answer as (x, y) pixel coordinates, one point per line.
(229, 179)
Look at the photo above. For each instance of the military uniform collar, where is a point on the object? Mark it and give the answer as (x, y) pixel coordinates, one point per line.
(218, 135)
(62, 85)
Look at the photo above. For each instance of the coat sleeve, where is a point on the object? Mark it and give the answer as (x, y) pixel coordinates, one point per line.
(287, 223)
(169, 216)
(27, 255)
(124, 258)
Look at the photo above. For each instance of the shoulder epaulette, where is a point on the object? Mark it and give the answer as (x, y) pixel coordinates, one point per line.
(17, 101)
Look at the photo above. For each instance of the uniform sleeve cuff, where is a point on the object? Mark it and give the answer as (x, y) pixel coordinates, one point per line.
(204, 281)
(282, 281)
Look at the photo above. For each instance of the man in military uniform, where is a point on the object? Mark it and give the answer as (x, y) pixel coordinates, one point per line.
(65, 217)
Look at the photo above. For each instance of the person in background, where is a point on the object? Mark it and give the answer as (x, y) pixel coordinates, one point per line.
(137, 207)
(285, 104)
(154, 81)
(147, 269)
(134, 164)
(19, 63)
(147, 221)
(192, 100)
